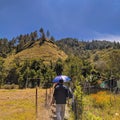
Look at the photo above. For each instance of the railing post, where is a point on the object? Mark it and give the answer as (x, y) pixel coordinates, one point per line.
(36, 103)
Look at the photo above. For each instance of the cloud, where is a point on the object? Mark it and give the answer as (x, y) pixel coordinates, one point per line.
(108, 37)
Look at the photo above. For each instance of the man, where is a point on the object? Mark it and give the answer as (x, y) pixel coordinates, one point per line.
(60, 95)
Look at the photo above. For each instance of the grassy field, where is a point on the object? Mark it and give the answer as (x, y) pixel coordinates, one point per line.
(102, 106)
(20, 105)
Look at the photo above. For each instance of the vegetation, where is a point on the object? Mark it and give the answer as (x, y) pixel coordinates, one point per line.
(101, 105)
(32, 60)
(19, 104)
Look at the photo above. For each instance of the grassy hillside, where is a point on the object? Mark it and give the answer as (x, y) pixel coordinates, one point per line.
(102, 55)
(47, 51)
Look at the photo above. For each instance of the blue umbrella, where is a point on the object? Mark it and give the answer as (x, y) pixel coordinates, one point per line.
(63, 77)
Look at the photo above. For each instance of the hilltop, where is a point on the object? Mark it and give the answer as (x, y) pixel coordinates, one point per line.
(47, 51)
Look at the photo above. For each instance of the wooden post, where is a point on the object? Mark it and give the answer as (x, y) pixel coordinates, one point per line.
(36, 104)
(46, 98)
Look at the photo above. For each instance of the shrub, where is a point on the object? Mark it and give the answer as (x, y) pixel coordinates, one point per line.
(91, 116)
(10, 86)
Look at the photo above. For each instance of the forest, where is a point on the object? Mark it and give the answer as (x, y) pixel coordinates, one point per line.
(99, 59)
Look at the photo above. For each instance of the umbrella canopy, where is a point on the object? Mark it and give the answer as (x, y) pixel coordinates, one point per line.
(63, 77)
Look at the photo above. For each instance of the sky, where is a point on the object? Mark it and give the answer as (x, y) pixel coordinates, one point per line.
(80, 19)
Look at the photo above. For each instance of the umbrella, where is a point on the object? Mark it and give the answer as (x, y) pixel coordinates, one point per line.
(63, 77)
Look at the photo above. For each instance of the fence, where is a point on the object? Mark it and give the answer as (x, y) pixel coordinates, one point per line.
(26, 103)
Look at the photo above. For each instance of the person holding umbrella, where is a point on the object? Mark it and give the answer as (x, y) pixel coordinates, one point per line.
(60, 96)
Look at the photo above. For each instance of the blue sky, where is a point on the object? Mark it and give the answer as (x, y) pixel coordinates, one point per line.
(81, 19)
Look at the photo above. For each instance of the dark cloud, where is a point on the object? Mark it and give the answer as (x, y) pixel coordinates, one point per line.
(77, 18)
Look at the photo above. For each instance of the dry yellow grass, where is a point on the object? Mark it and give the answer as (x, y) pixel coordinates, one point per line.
(47, 51)
(20, 105)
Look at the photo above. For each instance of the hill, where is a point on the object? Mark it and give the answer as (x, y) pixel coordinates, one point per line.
(103, 56)
(104, 59)
(83, 48)
(47, 51)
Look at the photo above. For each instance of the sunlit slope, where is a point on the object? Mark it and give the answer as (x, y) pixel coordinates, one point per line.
(48, 51)
(105, 57)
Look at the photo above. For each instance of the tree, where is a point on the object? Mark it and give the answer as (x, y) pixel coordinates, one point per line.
(11, 44)
(1, 72)
(86, 68)
(114, 64)
(35, 65)
(21, 43)
(4, 47)
(34, 36)
(12, 76)
(44, 71)
(52, 39)
(42, 33)
(96, 58)
(59, 67)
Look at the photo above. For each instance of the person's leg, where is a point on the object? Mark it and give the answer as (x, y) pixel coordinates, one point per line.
(58, 111)
(62, 111)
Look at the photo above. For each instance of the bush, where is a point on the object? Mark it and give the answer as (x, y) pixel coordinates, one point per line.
(10, 86)
(91, 116)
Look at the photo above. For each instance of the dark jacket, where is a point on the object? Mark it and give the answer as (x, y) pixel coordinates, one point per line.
(60, 94)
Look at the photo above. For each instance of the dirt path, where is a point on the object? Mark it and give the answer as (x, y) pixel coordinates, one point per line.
(45, 112)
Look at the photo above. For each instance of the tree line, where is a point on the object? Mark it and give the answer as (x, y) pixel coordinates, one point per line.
(24, 73)
(77, 47)
(77, 65)
(80, 47)
(21, 42)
